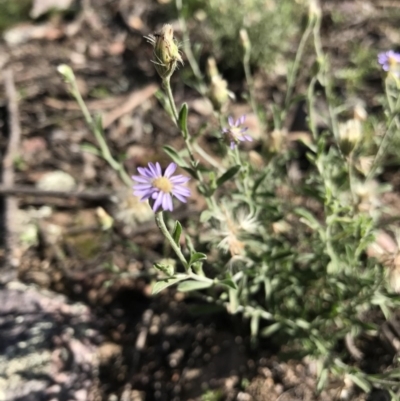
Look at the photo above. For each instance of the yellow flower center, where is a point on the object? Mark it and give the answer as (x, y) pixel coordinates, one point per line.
(163, 184)
(392, 61)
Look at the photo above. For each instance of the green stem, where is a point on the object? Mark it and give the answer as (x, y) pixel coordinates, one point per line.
(167, 86)
(295, 67)
(393, 119)
(164, 230)
(208, 158)
(249, 80)
(188, 49)
(166, 83)
(98, 133)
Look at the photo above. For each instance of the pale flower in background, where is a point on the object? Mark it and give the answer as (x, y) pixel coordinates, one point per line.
(232, 228)
(390, 62)
(236, 133)
(350, 134)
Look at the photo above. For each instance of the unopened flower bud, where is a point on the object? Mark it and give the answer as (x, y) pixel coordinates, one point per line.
(218, 91)
(276, 142)
(244, 40)
(350, 134)
(314, 9)
(364, 163)
(211, 68)
(360, 113)
(166, 51)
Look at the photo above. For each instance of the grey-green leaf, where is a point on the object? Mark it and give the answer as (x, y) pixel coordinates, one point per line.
(89, 148)
(183, 115)
(163, 284)
(228, 175)
(193, 285)
(176, 235)
(228, 283)
(174, 155)
(268, 331)
(196, 257)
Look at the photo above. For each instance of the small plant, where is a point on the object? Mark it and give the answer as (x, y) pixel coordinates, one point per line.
(288, 254)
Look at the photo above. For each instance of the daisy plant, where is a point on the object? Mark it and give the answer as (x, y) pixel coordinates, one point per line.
(285, 232)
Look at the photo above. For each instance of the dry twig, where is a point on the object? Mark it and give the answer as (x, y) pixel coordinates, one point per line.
(87, 195)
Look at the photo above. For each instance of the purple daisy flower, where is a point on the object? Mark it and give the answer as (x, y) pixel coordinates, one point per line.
(151, 183)
(390, 61)
(235, 133)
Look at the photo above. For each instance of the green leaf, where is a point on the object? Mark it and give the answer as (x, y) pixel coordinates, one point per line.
(302, 324)
(360, 382)
(193, 285)
(206, 215)
(168, 269)
(228, 175)
(258, 182)
(254, 325)
(176, 235)
(307, 218)
(189, 244)
(174, 155)
(183, 115)
(228, 283)
(268, 331)
(87, 147)
(165, 283)
(233, 300)
(196, 257)
(191, 171)
(98, 120)
(322, 379)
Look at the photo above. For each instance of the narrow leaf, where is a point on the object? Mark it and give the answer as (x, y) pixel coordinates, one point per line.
(174, 155)
(206, 215)
(191, 171)
(89, 148)
(228, 283)
(183, 115)
(165, 283)
(193, 285)
(254, 325)
(228, 175)
(307, 218)
(268, 331)
(322, 379)
(302, 324)
(197, 256)
(176, 235)
(360, 382)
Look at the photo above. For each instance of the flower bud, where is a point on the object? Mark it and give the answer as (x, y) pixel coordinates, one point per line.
(360, 113)
(350, 134)
(166, 51)
(314, 9)
(218, 92)
(211, 68)
(244, 40)
(276, 141)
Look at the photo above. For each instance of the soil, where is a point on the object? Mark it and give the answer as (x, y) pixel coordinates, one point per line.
(80, 294)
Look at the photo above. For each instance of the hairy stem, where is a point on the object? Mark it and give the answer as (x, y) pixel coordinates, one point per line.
(164, 230)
